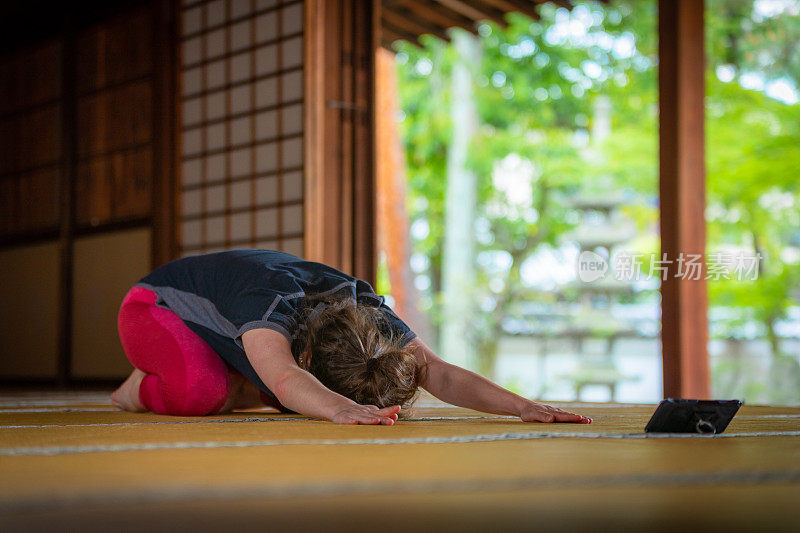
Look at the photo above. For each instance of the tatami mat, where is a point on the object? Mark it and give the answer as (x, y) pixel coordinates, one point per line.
(70, 460)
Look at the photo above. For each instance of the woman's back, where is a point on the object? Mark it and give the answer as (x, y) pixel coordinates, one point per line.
(222, 295)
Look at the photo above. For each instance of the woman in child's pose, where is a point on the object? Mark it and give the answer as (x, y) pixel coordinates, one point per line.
(215, 332)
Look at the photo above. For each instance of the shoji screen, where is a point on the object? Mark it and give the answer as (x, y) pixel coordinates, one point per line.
(242, 125)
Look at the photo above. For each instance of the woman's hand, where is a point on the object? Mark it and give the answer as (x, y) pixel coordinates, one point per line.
(366, 414)
(537, 412)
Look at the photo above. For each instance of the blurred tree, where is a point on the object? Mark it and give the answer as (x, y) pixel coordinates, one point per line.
(534, 95)
(458, 267)
(755, 36)
(753, 157)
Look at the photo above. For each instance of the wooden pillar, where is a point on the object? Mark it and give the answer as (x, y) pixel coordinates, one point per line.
(166, 155)
(341, 38)
(684, 302)
(67, 206)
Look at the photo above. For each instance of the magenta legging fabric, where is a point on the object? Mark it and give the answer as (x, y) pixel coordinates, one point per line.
(185, 376)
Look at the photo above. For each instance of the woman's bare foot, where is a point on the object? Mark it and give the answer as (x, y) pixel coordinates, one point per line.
(126, 397)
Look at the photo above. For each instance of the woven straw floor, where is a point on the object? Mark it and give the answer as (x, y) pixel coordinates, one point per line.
(70, 461)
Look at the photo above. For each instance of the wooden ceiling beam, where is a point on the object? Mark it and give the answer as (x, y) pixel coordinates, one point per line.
(566, 4)
(525, 7)
(407, 20)
(475, 10)
(435, 13)
(393, 33)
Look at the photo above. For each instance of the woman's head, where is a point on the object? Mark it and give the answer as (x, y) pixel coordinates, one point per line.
(345, 347)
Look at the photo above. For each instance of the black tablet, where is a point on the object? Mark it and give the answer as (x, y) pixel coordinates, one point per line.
(692, 416)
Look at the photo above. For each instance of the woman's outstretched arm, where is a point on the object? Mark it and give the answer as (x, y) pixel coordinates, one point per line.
(271, 356)
(455, 385)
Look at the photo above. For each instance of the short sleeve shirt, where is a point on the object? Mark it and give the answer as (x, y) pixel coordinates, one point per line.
(221, 295)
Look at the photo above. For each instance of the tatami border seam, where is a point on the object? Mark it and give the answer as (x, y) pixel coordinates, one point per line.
(458, 439)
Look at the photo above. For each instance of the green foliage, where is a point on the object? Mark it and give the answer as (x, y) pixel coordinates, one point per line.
(751, 40)
(753, 164)
(533, 96)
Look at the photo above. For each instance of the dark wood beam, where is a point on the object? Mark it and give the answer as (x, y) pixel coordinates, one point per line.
(69, 133)
(684, 302)
(408, 21)
(566, 4)
(395, 33)
(166, 159)
(366, 33)
(436, 13)
(388, 38)
(475, 10)
(525, 7)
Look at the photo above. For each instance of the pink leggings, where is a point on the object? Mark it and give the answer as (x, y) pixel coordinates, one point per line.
(184, 375)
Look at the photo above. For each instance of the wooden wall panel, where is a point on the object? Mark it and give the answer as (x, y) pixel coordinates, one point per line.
(102, 48)
(132, 183)
(29, 202)
(8, 199)
(114, 187)
(242, 125)
(31, 147)
(38, 197)
(105, 267)
(116, 119)
(92, 192)
(8, 157)
(39, 137)
(31, 77)
(116, 124)
(29, 312)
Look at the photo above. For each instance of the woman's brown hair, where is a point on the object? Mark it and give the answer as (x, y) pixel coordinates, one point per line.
(355, 353)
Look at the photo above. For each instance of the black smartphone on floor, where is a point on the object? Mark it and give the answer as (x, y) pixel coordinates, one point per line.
(692, 416)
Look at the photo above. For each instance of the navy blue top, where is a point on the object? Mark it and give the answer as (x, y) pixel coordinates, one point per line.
(221, 295)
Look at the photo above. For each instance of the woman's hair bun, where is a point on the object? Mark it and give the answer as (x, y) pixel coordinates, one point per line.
(351, 354)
